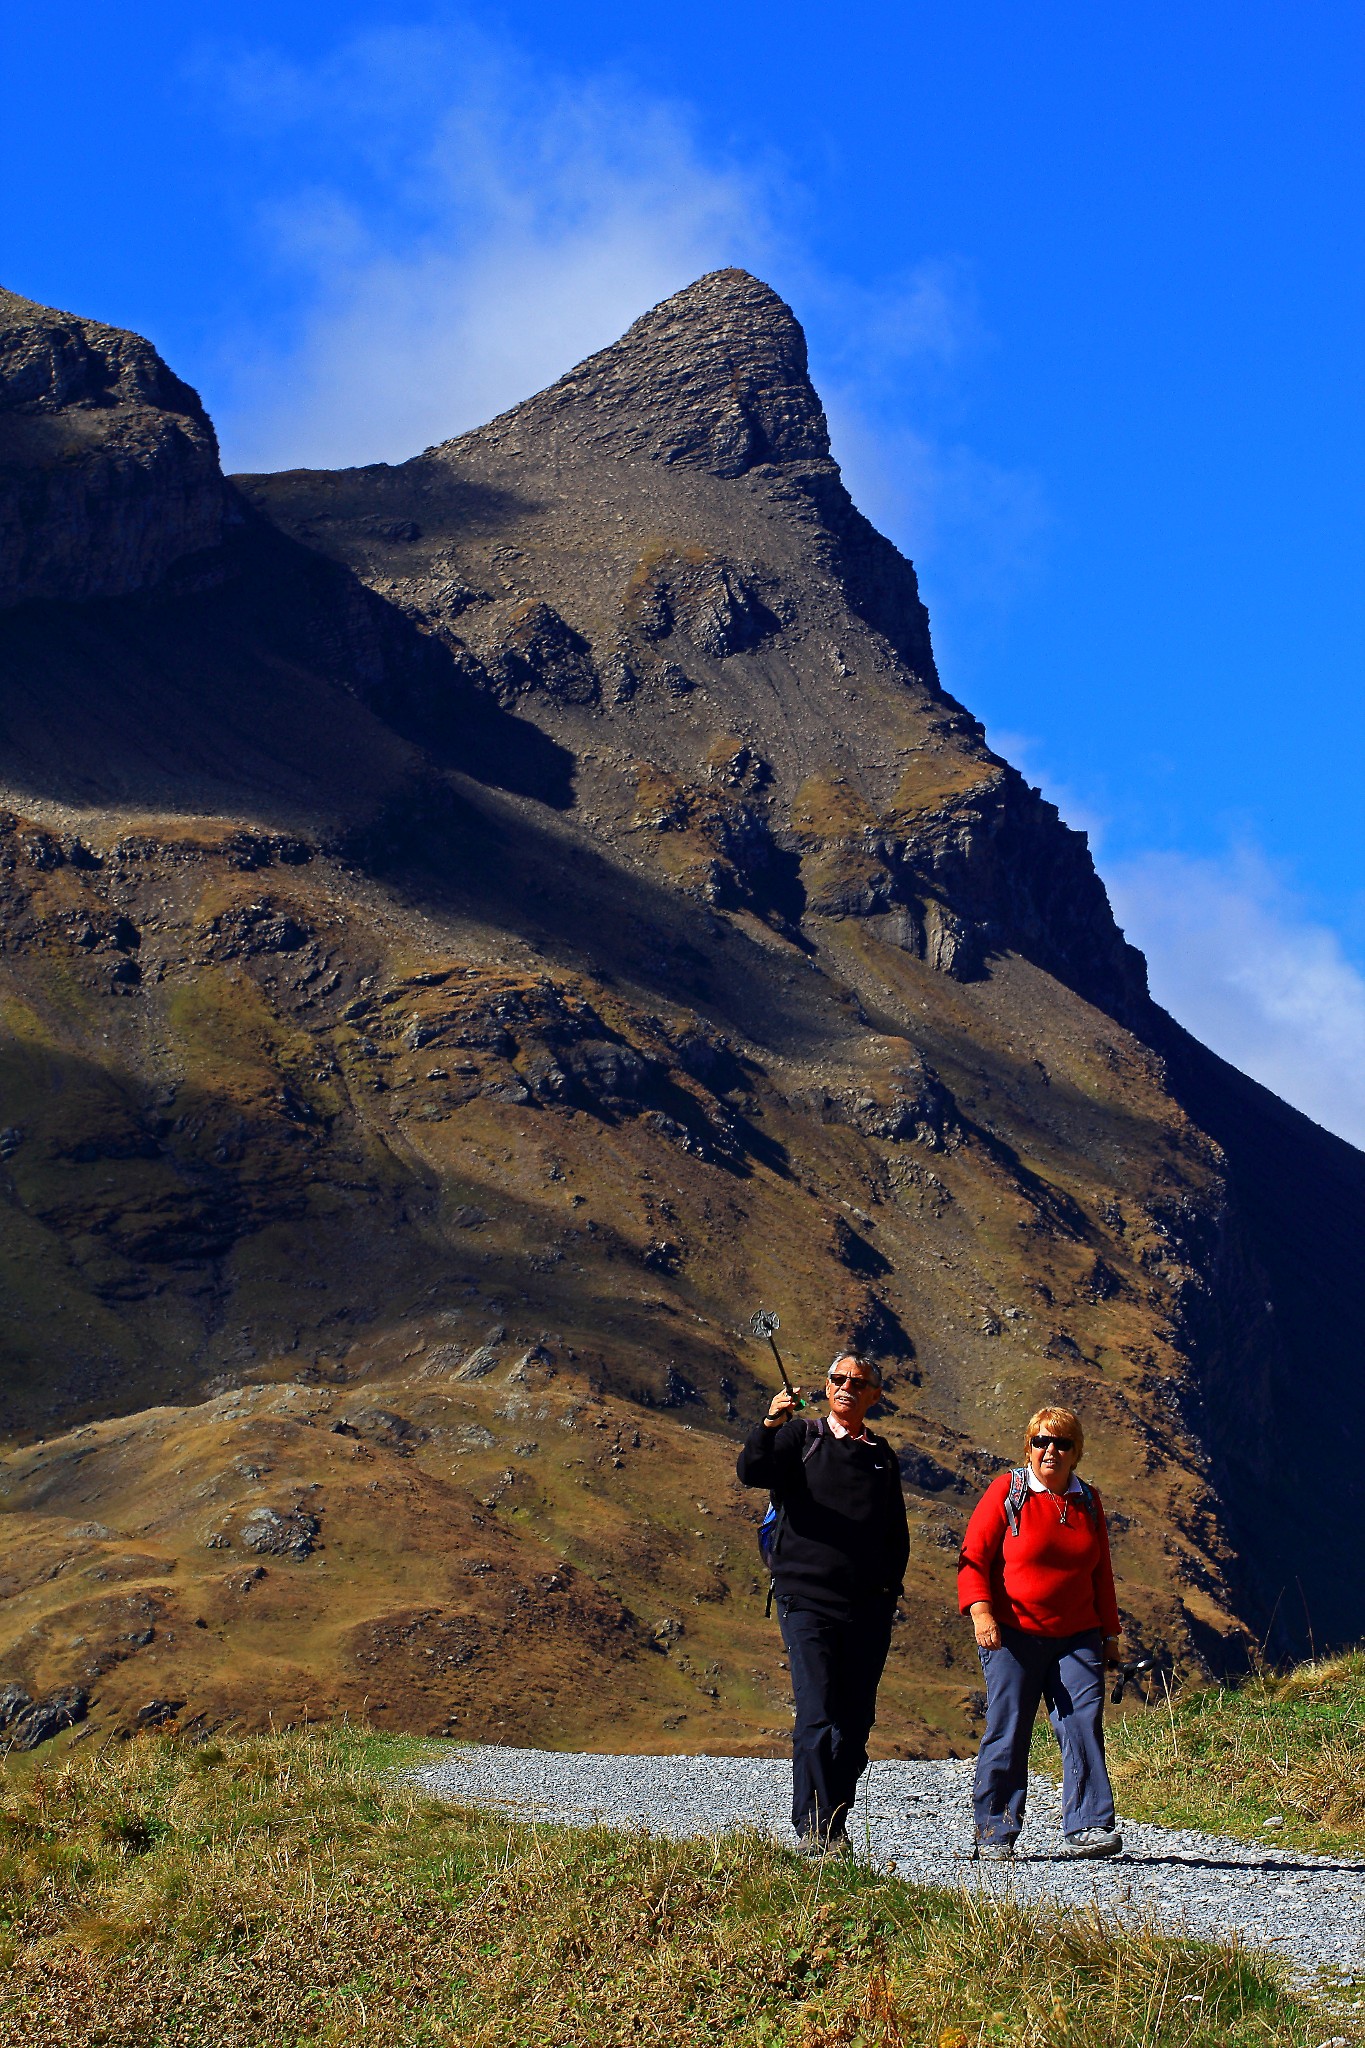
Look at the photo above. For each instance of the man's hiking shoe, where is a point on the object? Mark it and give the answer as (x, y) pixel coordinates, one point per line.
(994, 1852)
(823, 1845)
(1093, 1842)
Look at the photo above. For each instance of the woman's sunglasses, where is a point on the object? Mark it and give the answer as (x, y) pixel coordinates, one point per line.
(1052, 1443)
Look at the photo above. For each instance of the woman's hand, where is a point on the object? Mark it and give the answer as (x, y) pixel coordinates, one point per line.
(986, 1626)
(781, 1408)
(1113, 1651)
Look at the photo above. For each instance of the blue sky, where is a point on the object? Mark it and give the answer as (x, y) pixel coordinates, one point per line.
(1085, 292)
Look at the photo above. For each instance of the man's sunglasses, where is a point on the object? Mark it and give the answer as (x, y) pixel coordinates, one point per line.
(843, 1379)
(1052, 1443)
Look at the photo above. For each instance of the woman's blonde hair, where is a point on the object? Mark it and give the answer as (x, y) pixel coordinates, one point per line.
(1055, 1422)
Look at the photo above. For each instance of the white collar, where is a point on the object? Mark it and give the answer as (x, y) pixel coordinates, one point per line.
(1035, 1484)
(836, 1428)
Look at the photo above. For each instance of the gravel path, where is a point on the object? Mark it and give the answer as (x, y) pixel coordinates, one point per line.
(915, 1818)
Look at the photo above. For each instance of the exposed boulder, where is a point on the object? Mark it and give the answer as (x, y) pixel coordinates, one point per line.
(14, 1701)
(611, 1073)
(42, 1719)
(540, 651)
(926, 1474)
(906, 1104)
(708, 600)
(381, 1426)
(272, 1532)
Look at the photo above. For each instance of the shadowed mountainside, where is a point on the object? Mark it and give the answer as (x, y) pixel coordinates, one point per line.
(471, 930)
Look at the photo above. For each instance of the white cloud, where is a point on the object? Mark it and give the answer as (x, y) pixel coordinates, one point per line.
(1236, 958)
(925, 321)
(483, 233)
(478, 229)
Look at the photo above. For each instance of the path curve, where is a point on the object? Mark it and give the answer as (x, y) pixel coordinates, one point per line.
(915, 1819)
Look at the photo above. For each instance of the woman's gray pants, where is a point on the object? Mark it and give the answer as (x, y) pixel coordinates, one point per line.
(1067, 1672)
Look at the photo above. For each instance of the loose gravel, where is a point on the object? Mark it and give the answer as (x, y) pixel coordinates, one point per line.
(915, 1819)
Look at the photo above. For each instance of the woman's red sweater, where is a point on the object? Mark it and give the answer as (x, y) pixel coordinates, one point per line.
(1054, 1578)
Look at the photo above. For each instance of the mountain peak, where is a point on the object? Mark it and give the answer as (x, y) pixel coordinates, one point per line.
(713, 378)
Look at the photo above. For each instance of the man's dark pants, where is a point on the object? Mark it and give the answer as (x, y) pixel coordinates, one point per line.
(1068, 1672)
(836, 1666)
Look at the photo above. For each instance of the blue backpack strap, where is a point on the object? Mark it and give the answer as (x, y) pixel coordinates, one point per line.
(1015, 1497)
(770, 1528)
(1088, 1501)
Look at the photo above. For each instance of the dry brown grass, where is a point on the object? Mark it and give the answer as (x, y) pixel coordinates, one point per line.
(276, 1891)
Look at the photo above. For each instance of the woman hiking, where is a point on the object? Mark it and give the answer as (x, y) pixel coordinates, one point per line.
(1035, 1577)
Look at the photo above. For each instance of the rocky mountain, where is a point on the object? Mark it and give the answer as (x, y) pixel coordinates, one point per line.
(473, 930)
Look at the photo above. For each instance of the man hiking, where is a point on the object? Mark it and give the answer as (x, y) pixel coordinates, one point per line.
(840, 1544)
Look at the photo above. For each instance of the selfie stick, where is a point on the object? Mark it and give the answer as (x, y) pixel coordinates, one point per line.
(765, 1324)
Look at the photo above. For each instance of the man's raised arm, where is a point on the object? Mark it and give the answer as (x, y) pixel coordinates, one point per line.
(767, 1448)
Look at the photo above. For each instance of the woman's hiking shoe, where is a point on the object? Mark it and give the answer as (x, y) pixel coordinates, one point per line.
(994, 1852)
(1093, 1842)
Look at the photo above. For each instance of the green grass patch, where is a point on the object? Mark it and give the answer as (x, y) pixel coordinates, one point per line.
(284, 1890)
(1287, 1746)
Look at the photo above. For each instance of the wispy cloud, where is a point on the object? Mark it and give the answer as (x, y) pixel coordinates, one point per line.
(480, 233)
(1237, 958)
(459, 230)
(977, 531)
(887, 360)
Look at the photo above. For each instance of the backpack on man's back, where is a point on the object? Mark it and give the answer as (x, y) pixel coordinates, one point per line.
(771, 1527)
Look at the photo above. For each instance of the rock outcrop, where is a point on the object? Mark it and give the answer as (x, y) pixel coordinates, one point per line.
(108, 463)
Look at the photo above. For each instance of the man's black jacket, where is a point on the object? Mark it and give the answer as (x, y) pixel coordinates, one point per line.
(843, 1539)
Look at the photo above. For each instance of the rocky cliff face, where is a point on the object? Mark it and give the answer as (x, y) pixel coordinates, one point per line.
(477, 929)
(661, 548)
(108, 464)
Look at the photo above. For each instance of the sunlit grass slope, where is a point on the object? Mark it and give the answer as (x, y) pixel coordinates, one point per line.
(281, 1889)
(1231, 1758)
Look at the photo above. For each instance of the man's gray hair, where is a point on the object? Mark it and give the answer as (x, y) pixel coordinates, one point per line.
(864, 1365)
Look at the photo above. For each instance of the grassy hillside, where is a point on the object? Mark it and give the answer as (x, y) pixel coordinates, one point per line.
(1288, 1749)
(494, 1341)
(280, 1890)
